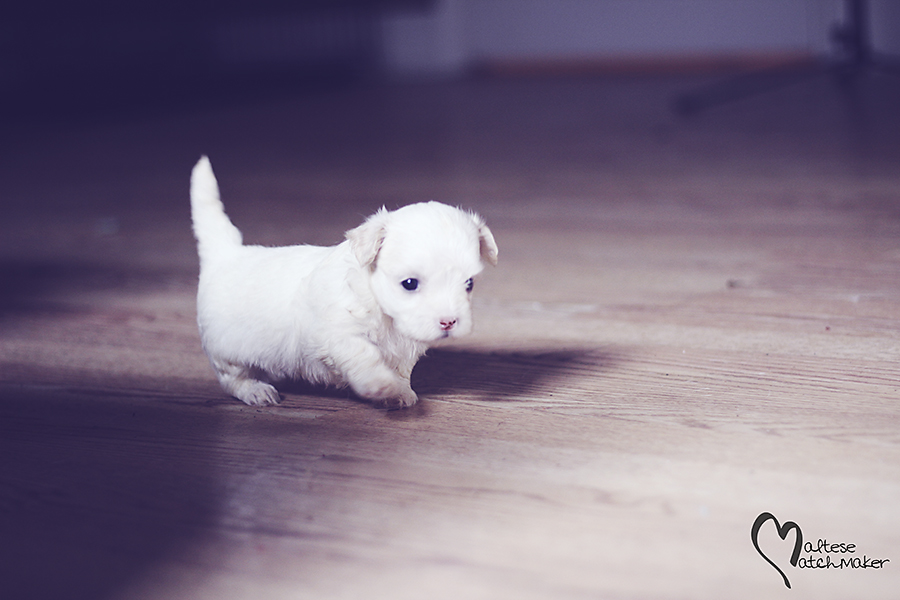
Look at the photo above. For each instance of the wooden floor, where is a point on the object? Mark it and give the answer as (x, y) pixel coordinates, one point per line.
(693, 322)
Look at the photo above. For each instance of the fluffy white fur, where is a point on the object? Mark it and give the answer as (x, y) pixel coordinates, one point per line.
(338, 315)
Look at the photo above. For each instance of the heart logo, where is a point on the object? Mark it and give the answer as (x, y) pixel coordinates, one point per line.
(783, 530)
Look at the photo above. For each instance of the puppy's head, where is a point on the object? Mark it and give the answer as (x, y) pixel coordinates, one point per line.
(422, 260)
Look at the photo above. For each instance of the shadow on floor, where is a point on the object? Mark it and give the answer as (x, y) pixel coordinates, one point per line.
(41, 286)
(94, 492)
(505, 375)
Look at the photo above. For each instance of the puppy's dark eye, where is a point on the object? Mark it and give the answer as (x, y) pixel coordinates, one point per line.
(469, 284)
(410, 284)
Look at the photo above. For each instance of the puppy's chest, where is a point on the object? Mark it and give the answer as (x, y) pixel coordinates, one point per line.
(399, 352)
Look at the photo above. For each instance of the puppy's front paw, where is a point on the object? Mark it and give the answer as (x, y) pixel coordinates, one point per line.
(405, 399)
(256, 393)
(386, 391)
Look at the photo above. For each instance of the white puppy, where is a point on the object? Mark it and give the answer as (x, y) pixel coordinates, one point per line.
(360, 313)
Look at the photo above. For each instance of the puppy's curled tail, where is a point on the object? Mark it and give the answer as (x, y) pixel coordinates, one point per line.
(212, 227)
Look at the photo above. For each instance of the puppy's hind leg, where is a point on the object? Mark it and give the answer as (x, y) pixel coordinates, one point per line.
(241, 383)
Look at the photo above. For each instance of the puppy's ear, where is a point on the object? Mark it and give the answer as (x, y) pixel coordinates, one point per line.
(366, 240)
(488, 246)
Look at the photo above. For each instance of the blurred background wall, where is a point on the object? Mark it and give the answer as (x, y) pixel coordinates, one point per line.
(91, 54)
(455, 35)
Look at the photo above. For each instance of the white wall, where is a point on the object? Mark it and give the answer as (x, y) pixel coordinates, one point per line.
(508, 29)
(433, 42)
(460, 33)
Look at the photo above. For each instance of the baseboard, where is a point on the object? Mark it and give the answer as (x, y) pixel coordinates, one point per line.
(647, 64)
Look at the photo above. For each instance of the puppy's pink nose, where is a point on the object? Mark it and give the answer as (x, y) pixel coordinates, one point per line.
(447, 324)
